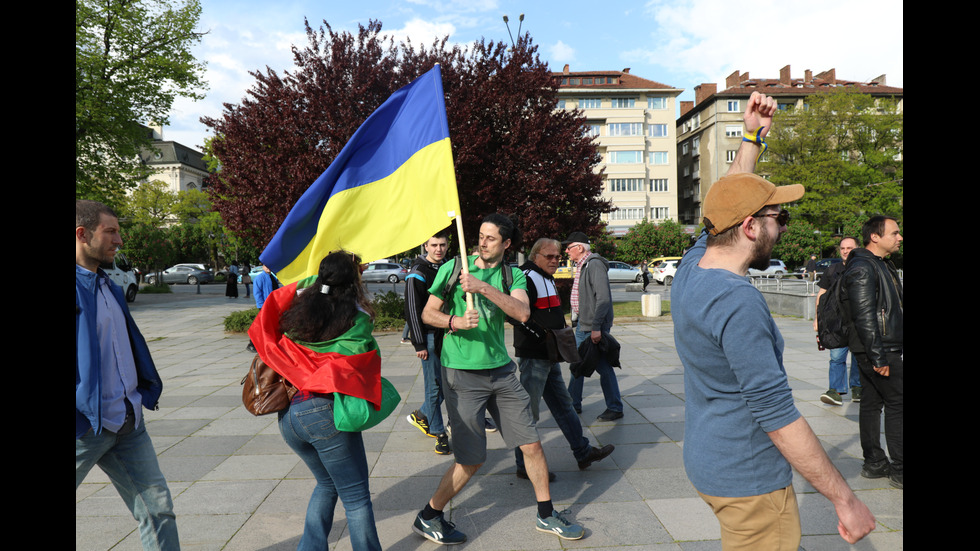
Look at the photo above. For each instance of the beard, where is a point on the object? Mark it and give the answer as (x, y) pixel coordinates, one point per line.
(762, 251)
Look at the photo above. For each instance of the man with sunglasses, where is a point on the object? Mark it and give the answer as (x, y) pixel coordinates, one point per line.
(538, 362)
(743, 435)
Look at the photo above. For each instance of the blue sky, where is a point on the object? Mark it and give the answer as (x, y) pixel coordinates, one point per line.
(681, 43)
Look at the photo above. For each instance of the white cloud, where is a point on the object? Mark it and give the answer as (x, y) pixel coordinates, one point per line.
(712, 38)
(560, 53)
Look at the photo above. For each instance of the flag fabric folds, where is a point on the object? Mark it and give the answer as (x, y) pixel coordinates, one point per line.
(349, 364)
(392, 187)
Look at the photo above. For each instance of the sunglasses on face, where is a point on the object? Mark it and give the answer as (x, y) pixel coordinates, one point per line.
(782, 217)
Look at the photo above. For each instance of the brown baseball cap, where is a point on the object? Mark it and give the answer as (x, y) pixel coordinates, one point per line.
(736, 196)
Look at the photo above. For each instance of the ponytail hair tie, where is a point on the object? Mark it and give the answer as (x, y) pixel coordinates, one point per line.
(324, 289)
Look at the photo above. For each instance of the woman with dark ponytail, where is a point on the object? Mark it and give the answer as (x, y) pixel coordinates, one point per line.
(317, 334)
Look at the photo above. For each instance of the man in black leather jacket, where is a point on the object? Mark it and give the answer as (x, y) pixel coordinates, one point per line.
(874, 292)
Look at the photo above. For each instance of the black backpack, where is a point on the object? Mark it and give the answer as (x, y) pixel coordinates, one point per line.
(834, 316)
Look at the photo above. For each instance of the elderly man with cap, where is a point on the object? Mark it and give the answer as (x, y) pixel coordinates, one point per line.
(743, 435)
(592, 308)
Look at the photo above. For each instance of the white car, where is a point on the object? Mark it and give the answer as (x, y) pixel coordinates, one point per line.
(663, 273)
(776, 269)
(122, 274)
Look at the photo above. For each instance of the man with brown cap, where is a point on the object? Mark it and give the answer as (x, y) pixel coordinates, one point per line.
(742, 433)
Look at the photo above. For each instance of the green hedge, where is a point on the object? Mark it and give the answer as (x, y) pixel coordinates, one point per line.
(389, 315)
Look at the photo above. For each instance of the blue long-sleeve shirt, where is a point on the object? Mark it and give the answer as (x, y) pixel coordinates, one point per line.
(734, 381)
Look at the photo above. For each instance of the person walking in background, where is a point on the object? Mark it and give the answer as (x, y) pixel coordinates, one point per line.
(839, 381)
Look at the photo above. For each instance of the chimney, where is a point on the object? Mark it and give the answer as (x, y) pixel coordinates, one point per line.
(880, 80)
(808, 76)
(686, 106)
(704, 91)
(784, 76)
(565, 70)
(732, 80)
(830, 74)
(626, 71)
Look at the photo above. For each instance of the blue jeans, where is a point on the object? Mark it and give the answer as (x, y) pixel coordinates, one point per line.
(432, 379)
(607, 379)
(130, 462)
(838, 371)
(339, 465)
(542, 379)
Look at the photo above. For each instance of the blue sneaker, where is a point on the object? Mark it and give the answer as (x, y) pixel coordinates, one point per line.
(438, 530)
(556, 524)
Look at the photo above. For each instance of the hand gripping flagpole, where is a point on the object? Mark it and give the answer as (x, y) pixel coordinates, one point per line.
(464, 258)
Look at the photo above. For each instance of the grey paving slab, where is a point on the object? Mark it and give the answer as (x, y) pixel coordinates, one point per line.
(238, 487)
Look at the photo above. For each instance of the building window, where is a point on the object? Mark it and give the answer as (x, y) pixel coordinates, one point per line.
(623, 103)
(733, 131)
(658, 130)
(657, 103)
(685, 148)
(626, 184)
(625, 157)
(594, 130)
(785, 106)
(658, 184)
(627, 213)
(659, 213)
(733, 106)
(561, 104)
(587, 81)
(659, 158)
(589, 103)
(730, 156)
(626, 129)
(696, 144)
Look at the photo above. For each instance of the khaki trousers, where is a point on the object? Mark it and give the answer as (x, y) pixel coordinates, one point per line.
(769, 521)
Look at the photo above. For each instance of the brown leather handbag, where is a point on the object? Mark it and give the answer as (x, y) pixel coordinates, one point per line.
(263, 390)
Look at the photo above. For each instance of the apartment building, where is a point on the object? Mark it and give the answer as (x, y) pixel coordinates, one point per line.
(709, 130)
(632, 120)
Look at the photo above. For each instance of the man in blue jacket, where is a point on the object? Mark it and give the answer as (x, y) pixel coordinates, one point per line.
(114, 379)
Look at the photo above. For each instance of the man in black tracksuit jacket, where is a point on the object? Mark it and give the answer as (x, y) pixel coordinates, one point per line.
(541, 373)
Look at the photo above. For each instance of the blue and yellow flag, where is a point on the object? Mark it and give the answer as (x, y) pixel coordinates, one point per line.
(392, 187)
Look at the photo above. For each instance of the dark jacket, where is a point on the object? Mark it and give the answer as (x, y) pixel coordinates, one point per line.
(874, 294)
(546, 313)
(417, 284)
(592, 353)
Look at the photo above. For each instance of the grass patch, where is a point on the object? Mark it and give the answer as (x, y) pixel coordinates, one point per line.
(633, 309)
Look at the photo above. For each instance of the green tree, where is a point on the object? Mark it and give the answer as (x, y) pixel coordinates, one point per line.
(797, 243)
(132, 60)
(846, 149)
(647, 240)
(151, 203)
(148, 247)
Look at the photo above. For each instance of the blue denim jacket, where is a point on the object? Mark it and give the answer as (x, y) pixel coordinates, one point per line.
(88, 382)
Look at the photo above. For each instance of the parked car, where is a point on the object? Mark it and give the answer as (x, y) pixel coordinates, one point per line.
(384, 271)
(776, 269)
(621, 271)
(121, 272)
(192, 274)
(822, 266)
(663, 273)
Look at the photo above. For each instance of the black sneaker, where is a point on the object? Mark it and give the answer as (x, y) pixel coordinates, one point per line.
(596, 454)
(418, 420)
(610, 415)
(878, 470)
(442, 444)
(438, 530)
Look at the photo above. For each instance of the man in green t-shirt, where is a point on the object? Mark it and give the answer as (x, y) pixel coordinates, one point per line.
(479, 377)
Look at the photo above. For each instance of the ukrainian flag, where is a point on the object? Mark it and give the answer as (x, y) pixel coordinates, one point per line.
(392, 187)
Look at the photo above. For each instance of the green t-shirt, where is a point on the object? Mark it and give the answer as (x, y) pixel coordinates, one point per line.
(483, 346)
